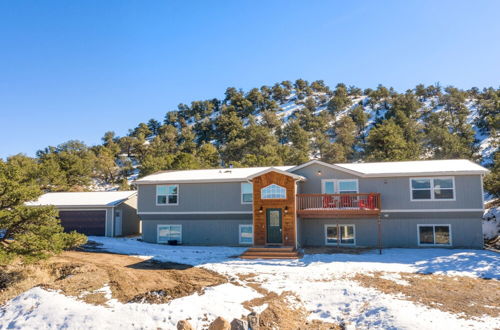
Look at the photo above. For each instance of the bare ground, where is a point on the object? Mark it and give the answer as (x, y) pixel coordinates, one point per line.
(468, 297)
(131, 279)
(283, 311)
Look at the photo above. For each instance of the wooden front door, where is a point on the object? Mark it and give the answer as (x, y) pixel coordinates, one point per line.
(274, 226)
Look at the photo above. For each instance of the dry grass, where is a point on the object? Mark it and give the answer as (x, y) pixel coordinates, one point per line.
(82, 274)
(465, 296)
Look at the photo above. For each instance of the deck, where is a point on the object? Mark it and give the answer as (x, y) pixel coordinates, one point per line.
(338, 205)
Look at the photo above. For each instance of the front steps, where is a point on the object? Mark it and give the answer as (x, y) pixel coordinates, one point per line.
(270, 252)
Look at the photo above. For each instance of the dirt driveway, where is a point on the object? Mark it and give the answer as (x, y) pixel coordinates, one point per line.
(130, 279)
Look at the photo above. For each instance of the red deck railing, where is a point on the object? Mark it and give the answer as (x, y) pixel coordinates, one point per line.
(338, 205)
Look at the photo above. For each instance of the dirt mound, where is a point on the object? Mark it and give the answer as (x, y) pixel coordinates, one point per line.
(466, 296)
(130, 279)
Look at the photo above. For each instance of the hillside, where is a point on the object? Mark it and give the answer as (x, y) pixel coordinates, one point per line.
(287, 123)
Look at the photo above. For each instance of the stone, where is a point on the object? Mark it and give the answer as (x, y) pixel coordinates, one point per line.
(253, 321)
(184, 325)
(238, 324)
(220, 324)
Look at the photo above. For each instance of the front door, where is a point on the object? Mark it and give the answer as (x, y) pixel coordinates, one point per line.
(274, 224)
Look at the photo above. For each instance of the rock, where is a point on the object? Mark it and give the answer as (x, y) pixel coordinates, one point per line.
(253, 321)
(184, 325)
(220, 324)
(238, 324)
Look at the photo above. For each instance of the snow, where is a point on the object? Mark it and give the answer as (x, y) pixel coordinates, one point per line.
(322, 282)
(491, 223)
(223, 174)
(421, 167)
(39, 308)
(94, 198)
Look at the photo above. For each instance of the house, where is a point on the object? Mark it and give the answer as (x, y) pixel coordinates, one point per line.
(390, 204)
(112, 213)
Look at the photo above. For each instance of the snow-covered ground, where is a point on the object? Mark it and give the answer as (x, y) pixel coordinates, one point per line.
(321, 281)
(491, 223)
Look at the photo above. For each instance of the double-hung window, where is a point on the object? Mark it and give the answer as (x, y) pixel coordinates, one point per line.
(340, 235)
(167, 195)
(169, 233)
(432, 189)
(245, 234)
(246, 193)
(434, 235)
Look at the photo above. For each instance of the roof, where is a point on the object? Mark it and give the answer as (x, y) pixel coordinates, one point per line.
(274, 169)
(381, 169)
(210, 175)
(82, 199)
(407, 168)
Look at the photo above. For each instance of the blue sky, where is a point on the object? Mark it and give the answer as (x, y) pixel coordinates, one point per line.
(75, 69)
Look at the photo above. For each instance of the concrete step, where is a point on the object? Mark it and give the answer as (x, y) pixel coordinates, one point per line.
(267, 257)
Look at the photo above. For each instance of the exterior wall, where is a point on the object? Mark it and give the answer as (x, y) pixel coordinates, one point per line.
(196, 197)
(221, 231)
(400, 230)
(313, 183)
(130, 219)
(395, 191)
(288, 219)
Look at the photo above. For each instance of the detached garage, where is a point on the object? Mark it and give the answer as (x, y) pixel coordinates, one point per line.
(112, 213)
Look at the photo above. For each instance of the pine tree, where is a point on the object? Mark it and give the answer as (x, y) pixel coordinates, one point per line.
(29, 232)
(208, 156)
(340, 100)
(386, 142)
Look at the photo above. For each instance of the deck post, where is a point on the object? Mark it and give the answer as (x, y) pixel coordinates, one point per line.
(379, 225)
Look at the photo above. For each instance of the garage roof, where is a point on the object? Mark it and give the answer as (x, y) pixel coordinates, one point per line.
(94, 198)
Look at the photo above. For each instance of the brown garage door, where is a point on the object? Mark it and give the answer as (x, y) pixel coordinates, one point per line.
(91, 223)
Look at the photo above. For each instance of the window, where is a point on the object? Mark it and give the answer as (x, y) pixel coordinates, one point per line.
(328, 187)
(434, 235)
(340, 235)
(432, 189)
(246, 234)
(332, 186)
(167, 195)
(273, 191)
(246, 193)
(348, 186)
(169, 232)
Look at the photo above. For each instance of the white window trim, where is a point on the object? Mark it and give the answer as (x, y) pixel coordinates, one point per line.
(241, 193)
(433, 233)
(433, 199)
(239, 234)
(339, 243)
(166, 204)
(279, 198)
(158, 232)
(336, 184)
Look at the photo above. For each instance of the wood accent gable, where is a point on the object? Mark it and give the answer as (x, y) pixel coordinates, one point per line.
(289, 220)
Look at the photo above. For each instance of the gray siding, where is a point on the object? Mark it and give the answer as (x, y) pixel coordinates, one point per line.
(196, 197)
(395, 191)
(130, 219)
(396, 232)
(312, 185)
(198, 231)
